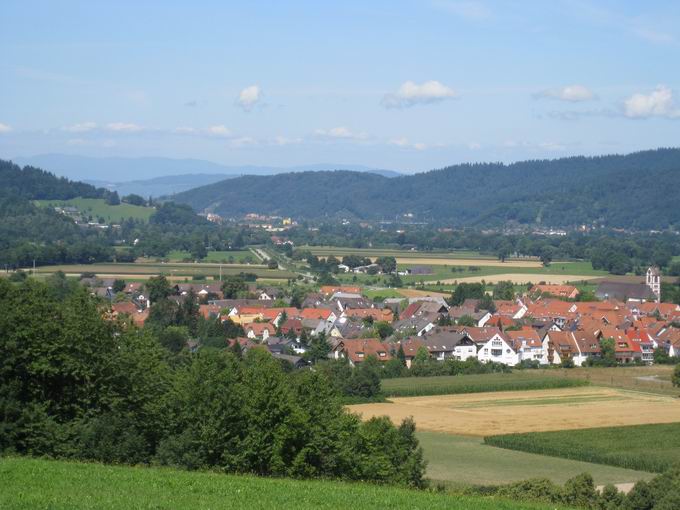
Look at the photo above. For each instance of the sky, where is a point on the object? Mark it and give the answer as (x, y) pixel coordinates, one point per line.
(402, 85)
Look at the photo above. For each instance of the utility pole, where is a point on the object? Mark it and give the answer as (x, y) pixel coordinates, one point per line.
(220, 272)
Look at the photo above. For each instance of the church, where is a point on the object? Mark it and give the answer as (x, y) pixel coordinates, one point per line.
(649, 291)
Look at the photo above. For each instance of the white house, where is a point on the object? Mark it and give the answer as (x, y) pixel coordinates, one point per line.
(499, 350)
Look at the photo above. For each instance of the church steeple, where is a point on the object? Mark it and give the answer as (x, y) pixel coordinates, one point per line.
(654, 281)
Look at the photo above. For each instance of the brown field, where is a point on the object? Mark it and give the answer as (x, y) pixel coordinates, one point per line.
(409, 293)
(483, 414)
(557, 279)
(414, 261)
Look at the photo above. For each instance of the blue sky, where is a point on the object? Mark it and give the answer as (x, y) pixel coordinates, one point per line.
(403, 85)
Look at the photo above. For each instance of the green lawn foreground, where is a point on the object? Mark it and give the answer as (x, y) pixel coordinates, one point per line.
(35, 484)
(653, 448)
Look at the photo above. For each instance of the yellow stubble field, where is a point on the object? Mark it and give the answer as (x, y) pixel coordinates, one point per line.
(483, 414)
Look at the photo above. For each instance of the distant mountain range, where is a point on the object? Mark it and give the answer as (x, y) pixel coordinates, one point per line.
(152, 176)
(639, 190)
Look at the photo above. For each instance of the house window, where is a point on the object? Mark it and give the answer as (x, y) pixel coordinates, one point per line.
(496, 352)
(382, 354)
(486, 351)
(496, 343)
(360, 354)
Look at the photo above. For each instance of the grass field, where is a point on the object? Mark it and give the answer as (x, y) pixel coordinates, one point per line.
(36, 484)
(463, 460)
(175, 270)
(225, 257)
(97, 207)
(456, 384)
(652, 379)
(484, 414)
(653, 448)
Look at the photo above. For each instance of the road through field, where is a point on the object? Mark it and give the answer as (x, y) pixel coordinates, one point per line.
(483, 414)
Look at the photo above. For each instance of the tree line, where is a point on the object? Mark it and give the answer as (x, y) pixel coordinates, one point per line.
(75, 385)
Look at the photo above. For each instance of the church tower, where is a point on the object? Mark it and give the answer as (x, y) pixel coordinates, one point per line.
(654, 281)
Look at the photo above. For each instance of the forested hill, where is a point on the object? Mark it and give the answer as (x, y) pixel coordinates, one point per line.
(31, 183)
(638, 190)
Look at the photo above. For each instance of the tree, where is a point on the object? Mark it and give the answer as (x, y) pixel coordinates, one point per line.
(383, 329)
(486, 303)
(676, 375)
(467, 320)
(547, 255)
(134, 199)
(232, 286)
(158, 288)
(504, 290)
(401, 355)
(388, 265)
(465, 291)
(118, 285)
(318, 349)
(198, 250)
(174, 338)
(272, 264)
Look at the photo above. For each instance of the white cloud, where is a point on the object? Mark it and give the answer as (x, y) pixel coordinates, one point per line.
(654, 36)
(82, 127)
(4, 128)
(219, 130)
(249, 97)
(658, 103)
(405, 143)
(242, 142)
(282, 140)
(341, 133)
(124, 127)
(411, 94)
(184, 130)
(571, 93)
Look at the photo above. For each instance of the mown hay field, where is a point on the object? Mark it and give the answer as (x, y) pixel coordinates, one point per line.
(653, 448)
(484, 414)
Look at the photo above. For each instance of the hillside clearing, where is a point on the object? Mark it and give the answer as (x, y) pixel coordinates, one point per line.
(31, 483)
(484, 414)
(97, 207)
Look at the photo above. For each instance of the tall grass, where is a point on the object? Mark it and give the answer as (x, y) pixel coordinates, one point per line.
(478, 383)
(653, 448)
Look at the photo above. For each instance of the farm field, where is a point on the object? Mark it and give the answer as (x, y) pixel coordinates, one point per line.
(97, 207)
(654, 448)
(451, 272)
(483, 414)
(518, 278)
(476, 383)
(325, 251)
(174, 270)
(32, 483)
(463, 460)
(225, 257)
(651, 379)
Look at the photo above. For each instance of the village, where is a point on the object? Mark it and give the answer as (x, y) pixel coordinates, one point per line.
(544, 326)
